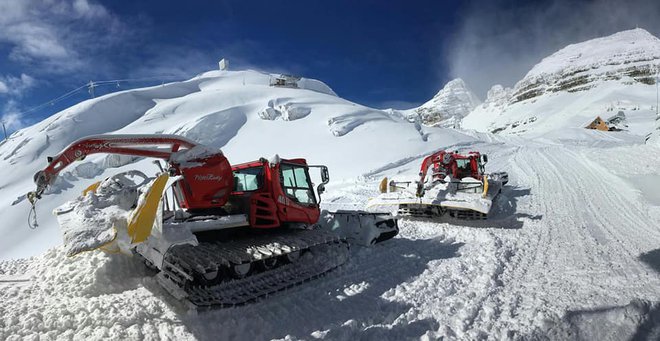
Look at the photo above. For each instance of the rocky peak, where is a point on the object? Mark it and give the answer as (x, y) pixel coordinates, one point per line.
(498, 96)
(453, 102)
(628, 56)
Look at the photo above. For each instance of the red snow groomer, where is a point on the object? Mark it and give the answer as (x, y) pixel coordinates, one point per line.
(457, 186)
(219, 234)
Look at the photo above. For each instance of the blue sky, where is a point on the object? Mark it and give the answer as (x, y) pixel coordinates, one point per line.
(376, 53)
(379, 53)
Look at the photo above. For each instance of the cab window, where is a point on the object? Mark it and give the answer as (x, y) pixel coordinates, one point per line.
(463, 163)
(297, 184)
(464, 168)
(248, 179)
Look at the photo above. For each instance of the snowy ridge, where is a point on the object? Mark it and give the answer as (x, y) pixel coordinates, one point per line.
(627, 56)
(497, 97)
(453, 102)
(572, 87)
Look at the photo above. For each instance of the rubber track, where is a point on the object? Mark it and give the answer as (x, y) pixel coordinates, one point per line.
(185, 264)
(421, 211)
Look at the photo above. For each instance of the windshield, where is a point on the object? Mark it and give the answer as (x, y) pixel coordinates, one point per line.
(463, 168)
(297, 184)
(463, 164)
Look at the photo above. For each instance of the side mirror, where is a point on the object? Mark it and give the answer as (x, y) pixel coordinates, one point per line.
(484, 157)
(320, 189)
(325, 175)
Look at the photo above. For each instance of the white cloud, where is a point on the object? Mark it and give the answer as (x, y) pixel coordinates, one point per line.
(499, 41)
(16, 86)
(11, 116)
(86, 9)
(12, 88)
(55, 36)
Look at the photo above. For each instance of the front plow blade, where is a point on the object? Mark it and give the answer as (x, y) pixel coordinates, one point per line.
(361, 227)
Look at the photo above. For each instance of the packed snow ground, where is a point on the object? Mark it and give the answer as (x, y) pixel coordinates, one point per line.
(572, 252)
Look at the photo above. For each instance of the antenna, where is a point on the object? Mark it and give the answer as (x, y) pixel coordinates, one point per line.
(657, 99)
(4, 129)
(91, 87)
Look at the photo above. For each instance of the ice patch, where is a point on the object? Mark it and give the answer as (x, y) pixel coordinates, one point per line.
(344, 124)
(116, 160)
(269, 114)
(216, 129)
(292, 112)
(288, 111)
(87, 170)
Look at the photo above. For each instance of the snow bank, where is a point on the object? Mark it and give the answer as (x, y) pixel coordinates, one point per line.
(92, 296)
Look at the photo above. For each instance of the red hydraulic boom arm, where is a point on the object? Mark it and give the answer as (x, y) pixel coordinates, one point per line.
(207, 175)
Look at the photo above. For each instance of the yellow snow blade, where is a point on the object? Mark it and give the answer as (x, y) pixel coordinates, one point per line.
(92, 188)
(485, 187)
(143, 216)
(383, 185)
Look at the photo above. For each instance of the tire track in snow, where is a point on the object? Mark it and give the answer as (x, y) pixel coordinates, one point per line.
(531, 244)
(561, 261)
(612, 225)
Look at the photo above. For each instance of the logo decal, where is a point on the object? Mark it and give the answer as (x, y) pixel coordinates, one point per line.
(102, 145)
(208, 177)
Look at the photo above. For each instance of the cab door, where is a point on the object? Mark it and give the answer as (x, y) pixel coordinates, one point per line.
(298, 201)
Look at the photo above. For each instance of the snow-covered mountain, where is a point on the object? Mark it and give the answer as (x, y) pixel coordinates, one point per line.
(628, 56)
(498, 97)
(448, 107)
(573, 86)
(237, 111)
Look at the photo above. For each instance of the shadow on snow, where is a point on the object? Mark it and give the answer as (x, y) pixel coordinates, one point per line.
(652, 259)
(504, 213)
(344, 304)
(637, 320)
